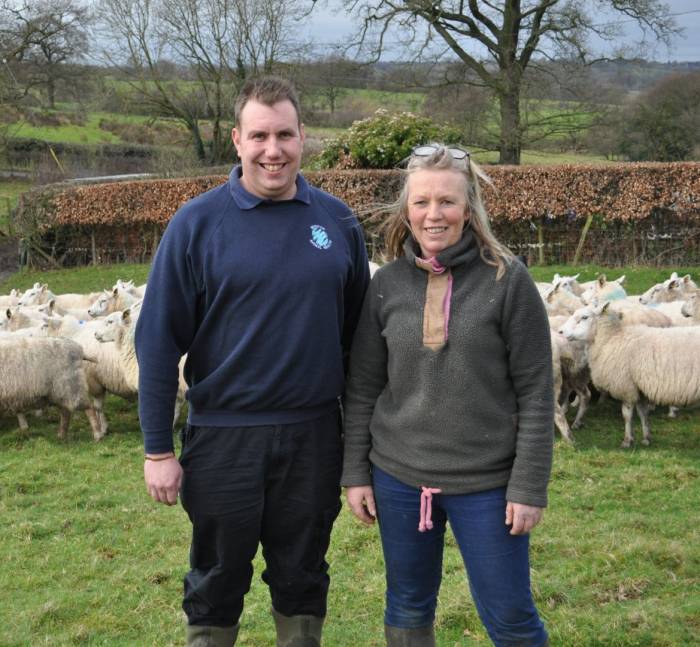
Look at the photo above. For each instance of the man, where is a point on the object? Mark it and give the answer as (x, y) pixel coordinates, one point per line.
(260, 282)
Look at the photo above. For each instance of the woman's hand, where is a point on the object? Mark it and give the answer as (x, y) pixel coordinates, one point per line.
(361, 501)
(523, 518)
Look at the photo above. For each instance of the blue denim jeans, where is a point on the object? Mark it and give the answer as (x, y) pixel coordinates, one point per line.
(497, 563)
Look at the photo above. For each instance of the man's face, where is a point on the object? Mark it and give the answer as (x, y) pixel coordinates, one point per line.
(269, 141)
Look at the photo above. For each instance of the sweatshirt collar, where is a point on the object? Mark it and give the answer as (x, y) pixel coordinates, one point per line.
(246, 200)
(464, 252)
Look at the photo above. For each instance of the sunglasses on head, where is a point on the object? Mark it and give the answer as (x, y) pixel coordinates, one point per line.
(425, 150)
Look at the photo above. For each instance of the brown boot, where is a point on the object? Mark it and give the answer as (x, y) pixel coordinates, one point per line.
(298, 631)
(205, 636)
(414, 637)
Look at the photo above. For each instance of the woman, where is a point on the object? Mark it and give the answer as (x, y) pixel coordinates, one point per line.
(449, 407)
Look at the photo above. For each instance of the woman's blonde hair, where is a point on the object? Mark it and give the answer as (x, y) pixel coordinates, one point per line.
(397, 229)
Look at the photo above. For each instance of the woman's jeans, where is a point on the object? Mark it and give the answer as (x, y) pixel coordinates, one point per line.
(497, 563)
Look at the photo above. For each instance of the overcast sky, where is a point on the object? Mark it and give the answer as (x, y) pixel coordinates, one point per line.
(329, 26)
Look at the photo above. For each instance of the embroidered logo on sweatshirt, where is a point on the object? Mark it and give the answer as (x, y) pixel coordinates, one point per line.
(319, 237)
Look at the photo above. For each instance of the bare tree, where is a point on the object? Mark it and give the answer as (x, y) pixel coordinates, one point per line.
(499, 40)
(216, 44)
(43, 40)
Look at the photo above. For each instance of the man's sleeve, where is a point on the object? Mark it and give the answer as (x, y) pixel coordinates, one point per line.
(164, 332)
(355, 289)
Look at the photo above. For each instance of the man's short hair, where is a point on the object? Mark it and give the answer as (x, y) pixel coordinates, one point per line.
(267, 90)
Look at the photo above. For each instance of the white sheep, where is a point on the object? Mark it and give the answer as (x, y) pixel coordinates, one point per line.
(10, 300)
(37, 372)
(40, 293)
(559, 417)
(119, 327)
(638, 365)
(52, 309)
(18, 318)
(672, 289)
(139, 291)
(691, 308)
(574, 372)
(569, 283)
(559, 301)
(119, 298)
(603, 290)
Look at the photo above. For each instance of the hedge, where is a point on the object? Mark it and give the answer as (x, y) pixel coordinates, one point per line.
(627, 203)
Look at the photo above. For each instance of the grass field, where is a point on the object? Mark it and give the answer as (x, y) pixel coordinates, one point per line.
(88, 559)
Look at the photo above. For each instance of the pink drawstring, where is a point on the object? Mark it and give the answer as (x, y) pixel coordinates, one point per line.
(426, 508)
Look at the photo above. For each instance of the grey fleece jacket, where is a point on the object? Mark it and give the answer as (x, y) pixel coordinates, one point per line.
(476, 413)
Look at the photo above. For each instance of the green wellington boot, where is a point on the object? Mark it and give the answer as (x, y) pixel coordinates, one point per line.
(298, 631)
(203, 636)
(415, 637)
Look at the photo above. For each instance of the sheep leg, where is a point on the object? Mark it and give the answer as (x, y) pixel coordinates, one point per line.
(95, 423)
(643, 413)
(627, 413)
(562, 424)
(22, 420)
(672, 412)
(584, 399)
(63, 423)
(98, 406)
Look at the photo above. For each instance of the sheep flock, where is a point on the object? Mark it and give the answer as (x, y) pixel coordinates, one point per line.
(71, 350)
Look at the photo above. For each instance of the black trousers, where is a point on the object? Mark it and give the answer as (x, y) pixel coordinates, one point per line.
(274, 485)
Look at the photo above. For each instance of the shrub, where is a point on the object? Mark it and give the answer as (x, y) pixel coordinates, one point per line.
(383, 140)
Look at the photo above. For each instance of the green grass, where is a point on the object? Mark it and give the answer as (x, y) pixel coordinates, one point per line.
(88, 559)
(9, 194)
(80, 279)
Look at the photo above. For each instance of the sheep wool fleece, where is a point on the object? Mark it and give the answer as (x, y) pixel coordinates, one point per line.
(469, 415)
(263, 296)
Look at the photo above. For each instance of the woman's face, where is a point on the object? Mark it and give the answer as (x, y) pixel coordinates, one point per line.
(437, 208)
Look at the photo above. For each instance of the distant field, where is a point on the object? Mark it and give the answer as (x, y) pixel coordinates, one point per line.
(88, 132)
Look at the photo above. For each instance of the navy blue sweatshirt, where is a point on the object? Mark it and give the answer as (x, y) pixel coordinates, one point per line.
(263, 296)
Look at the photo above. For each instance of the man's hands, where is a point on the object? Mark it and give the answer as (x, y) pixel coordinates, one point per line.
(361, 501)
(522, 517)
(163, 478)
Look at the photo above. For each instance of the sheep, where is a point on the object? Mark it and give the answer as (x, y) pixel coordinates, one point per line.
(604, 290)
(37, 372)
(51, 309)
(65, 326)
(574, 372)
(673, 310)
(672, 289)
(111, 301)
(638, 365)
(119, 327)
(17, 319)
(138, 291)
(559, 417)
(691, 308)
(559, 301)
(10, 300)
(569, 283)
(40, 293)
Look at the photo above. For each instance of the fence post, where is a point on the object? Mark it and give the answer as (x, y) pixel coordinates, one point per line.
(94, 246)
(540, 244)
(582, 239)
